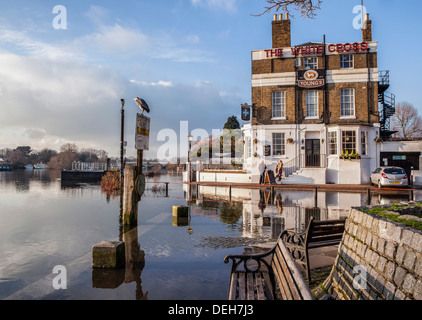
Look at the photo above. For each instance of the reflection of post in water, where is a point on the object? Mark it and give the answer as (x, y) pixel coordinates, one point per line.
(111, 276)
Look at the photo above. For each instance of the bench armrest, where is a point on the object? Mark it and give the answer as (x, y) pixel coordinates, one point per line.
(294, 238)
(248, 262)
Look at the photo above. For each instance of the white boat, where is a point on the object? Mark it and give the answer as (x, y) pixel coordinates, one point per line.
(40, 166)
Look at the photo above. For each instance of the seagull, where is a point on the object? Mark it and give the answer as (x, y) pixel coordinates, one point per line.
(142, 104)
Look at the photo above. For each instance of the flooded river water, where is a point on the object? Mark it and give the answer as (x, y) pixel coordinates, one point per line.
(45, 223)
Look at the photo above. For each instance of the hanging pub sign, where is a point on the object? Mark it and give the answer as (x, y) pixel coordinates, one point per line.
(246, 112)
(142, 132)
(311, 78)
(267, 150)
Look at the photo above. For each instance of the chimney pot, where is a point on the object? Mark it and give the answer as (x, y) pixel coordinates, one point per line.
(280, 17)
(275, 17)
(286, 15)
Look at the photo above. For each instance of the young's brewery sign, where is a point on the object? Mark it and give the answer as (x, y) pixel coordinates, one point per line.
(311, 78)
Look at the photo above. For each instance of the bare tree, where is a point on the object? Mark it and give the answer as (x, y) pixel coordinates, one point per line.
(406, 121)
(306, 8)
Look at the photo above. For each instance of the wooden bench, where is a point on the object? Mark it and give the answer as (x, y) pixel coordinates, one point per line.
(258, 276)
(316, 235)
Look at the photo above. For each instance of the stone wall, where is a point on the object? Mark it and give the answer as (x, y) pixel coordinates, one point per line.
(377, 259)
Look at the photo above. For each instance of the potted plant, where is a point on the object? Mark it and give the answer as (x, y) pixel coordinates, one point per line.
(349, 156)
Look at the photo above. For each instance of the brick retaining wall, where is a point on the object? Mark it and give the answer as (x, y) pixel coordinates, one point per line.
(377, 259)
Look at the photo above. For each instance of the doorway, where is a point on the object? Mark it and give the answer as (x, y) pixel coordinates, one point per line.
(312, 153)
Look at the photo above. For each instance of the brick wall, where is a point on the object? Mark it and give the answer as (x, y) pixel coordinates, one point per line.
(388, 253)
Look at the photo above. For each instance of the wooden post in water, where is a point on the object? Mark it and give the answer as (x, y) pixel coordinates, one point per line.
(130, 197)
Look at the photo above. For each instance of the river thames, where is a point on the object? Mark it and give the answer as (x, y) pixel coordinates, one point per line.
(46, 223)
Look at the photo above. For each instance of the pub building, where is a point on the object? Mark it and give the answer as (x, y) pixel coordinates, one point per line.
(316, 107)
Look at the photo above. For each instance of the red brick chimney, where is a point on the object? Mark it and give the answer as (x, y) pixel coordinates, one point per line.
(281, 31)
(367, 29)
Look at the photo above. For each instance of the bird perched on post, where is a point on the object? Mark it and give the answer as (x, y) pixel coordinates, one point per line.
(142, 104)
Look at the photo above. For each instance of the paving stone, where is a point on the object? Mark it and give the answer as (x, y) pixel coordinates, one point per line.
(401, 251)
(399, 276)
(389, 291)
(390, 269)
(390, 250)
(417, 293)
(382, 261)
(409, 260)
(399, 295)
(409, 283)
(407, 237)
(416, 242)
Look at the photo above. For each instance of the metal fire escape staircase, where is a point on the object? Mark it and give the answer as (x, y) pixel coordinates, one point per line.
(387, 102)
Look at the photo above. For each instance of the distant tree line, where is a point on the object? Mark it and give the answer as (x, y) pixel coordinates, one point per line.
(69, 153)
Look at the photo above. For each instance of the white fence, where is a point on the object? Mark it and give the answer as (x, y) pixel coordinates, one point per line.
(87, 166)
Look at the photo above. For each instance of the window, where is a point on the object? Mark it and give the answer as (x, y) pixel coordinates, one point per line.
(312, 104)
(348, 142)
(346, 61)
(310, 63)
(248, 142)
(279, 147)
(279, 104)
(332, 142)
(347, 97)
(364, 143)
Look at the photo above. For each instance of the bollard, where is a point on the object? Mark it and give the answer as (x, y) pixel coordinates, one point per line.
(108, 255)
(230, 192)
(368, 197)
(167, 189)
(180, 211)
(316, 197)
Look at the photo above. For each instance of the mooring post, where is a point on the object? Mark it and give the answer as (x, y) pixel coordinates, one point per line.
(230, 192)
(368, 196)
(272, 194)
(130, 197)
(316, 197)
(167, 189)
(411, 195)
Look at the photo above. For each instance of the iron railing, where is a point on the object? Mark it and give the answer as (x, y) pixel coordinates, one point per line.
(88, 166)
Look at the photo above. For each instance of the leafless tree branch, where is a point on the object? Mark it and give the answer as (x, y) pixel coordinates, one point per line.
(406, 121)
(306, 8)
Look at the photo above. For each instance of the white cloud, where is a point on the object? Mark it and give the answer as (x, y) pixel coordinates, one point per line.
(19, 41)
(46, 103)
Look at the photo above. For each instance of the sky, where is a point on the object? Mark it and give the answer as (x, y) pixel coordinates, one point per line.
(63, 72)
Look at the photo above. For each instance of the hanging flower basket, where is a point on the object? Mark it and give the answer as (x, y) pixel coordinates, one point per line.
(378, 140)
(290, 141)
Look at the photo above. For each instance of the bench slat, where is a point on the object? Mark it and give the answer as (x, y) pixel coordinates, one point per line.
(268, 286)
(326, 238)
(233, 286)
(242, 286)
(288, 276)
(280, 278)
(329, 222)
(300, 282)
(250, 291)
(259, 287)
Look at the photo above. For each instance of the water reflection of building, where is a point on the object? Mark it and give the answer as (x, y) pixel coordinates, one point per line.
(266, 212)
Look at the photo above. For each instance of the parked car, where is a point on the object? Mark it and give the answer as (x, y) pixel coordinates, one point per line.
(389, 176)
